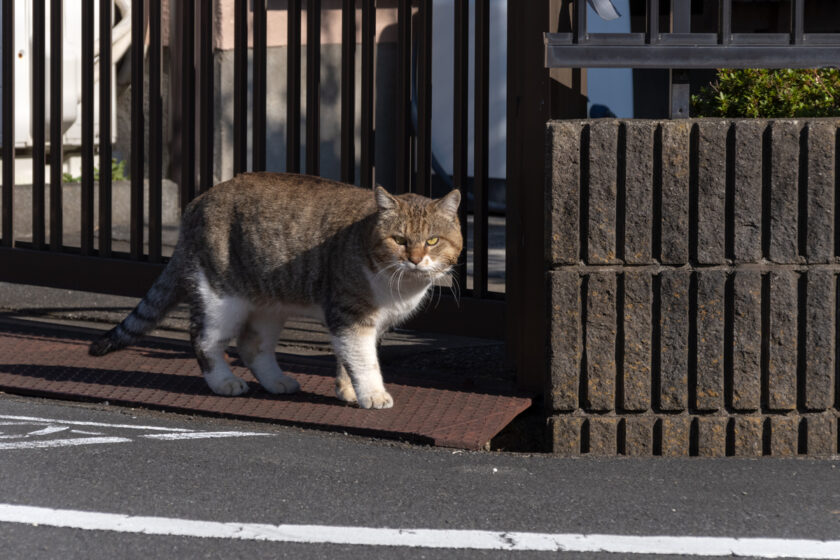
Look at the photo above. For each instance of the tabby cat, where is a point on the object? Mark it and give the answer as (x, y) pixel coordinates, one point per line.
(262, 247)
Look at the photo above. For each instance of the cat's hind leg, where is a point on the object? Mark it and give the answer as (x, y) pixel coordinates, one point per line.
(214, 321)
(344, 385)
(256, 344)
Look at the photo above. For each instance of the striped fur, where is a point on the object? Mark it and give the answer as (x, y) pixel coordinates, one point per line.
(265, 246)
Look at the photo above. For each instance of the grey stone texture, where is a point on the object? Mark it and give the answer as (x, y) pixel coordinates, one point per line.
(603, 192)
(747, 187)
(784, 199)
(711, 192)
(820, 321)
(821, 135)
(713, 330)
(600, 342)
(638, 192)
(781, 369)
(563, 195)
(565, 347)
(673, 351)
(746, 346)
(710, 325)
(676, 167)
(636, 382)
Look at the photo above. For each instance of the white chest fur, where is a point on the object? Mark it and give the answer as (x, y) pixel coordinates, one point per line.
(397, 300)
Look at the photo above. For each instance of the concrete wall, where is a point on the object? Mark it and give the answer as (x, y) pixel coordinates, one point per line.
(692, 271)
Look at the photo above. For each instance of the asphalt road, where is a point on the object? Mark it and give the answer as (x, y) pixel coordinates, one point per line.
(155, 464)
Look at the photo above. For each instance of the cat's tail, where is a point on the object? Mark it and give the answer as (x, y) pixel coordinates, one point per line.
(161, 297)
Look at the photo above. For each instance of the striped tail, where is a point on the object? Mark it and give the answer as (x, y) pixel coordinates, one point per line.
(161, 297)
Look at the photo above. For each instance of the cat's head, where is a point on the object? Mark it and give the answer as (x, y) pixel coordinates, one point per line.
(416, 235)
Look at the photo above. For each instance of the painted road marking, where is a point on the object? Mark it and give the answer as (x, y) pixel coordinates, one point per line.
(62, 442)
(423, 538)
(32, 438)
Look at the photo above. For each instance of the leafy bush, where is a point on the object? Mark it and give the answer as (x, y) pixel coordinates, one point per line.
(757, 93)
(117, 173)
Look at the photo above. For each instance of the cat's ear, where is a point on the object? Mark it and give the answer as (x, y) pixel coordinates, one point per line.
(449, 203)
(384, 200)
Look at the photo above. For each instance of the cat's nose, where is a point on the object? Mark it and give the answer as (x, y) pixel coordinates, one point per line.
(415, 258)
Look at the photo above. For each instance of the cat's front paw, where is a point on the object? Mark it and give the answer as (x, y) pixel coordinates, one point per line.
(281, 384)
(378, 399)
(229, 387)
(345, 392)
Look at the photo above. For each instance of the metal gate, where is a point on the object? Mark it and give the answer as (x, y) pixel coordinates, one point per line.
(95, 262)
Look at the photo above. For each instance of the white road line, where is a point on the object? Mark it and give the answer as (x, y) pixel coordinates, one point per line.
(48, 430)
(61, 442)
(202, 435)
(423, 538)
(100, 424)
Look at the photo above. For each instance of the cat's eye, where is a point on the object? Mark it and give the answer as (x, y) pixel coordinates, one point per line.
(432, 241)
(400, 240)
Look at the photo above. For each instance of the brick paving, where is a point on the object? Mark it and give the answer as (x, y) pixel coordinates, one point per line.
(51, 361)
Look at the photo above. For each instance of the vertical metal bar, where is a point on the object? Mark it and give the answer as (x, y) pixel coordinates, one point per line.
(293, 93)
(313, 86)
(481, 150)
(38, 121)
(137, 132)
(240, 86)
(155, 134)
(348, 91)
(579, 32)
(725, 22)
(87, 129)
(797, 21)
(368, 36)
(206, 96)
(187, 102)
(403, 164)
(680, 96)
(424, 101)
(105, 7)
(56, 50)
(653, 22)
(460, 133)
(8, 121)
(259, 69)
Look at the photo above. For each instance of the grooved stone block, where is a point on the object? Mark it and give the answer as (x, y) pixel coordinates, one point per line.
(675, 180)
(711, 192)
(565, 432)
(749, 433)
(781, 378)
(747, 189)
(819, 244)
(603, 190)
(710, 311)
(638, 188)
(673, 379)
(784, 436)
(784, 197)
(675, 436)
(565, 345)
(638, 436)
(600, 341)
(821, 434)
(636, 381)
(563, 195)
(746, 346)
(819, 339)
(711, 436)
(603, 436)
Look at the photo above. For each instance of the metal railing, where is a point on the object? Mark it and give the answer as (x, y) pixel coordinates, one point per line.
(679, 48)
(96, 265)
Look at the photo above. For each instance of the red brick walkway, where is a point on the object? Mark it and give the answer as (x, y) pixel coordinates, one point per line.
(50, 361)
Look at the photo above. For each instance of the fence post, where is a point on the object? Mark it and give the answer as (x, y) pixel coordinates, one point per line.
(527, 113)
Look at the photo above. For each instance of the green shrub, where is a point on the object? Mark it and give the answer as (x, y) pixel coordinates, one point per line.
(757, 93)
(117, 173)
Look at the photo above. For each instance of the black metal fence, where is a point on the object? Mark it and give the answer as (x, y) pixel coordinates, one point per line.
(94, 264)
